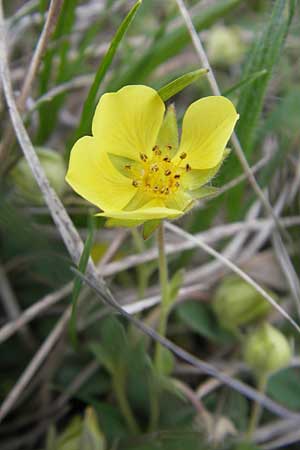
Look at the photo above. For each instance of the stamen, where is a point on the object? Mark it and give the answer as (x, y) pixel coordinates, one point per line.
(168, 172)
(155, 189)
(188, 168)
(135, 183)
(162, 190)
(167, 191)
(169, 147)
(177, 175)
(143, 157)
(167, 159)
(183, 155)
(177, 184)
(127, 166)
(155, 148)
(154, 168)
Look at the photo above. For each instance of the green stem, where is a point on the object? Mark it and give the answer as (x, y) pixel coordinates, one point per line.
(163, 278)
(141, 269)
(119, 388)
(257, 409)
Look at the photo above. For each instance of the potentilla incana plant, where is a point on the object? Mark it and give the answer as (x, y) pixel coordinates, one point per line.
(134, 168)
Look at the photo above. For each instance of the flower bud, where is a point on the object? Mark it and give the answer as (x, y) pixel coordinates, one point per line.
(224, 46)
(267, 350)
(55, 170)
(237, 303)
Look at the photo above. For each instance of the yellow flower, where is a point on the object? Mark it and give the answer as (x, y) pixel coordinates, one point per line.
(133, 167)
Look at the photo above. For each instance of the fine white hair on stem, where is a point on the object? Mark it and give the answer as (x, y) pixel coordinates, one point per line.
(234, 268)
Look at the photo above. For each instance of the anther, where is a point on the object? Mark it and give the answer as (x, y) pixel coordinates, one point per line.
(167, 191)
(167, 159)
(135, 183)
(183, 155)
(155, 188)
(162, 190)
(143, 157)
(188, 168)
(127, 166)
(177, 184)
(155, 148)
(177, 175)
(169, 147)
(168, 172)
(154, 168)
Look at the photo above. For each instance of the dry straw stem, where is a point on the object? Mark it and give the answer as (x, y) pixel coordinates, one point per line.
(11, 306)
(288, 268)
(52, 16)
(59, 215)
(216, 91)
(204, 367)
(234, 268)
(211, 236)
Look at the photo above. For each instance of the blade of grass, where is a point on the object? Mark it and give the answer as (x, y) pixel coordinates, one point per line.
(78, 282)
(175, 86)
(170, 44)
(89, 105)
(245, 82)
(263, 55)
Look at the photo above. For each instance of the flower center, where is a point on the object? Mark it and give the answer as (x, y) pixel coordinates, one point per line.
(157, 175)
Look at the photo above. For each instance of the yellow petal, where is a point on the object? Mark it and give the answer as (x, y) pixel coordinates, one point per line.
(154, 209)
(127, 122)
(92, 175)
(207, 125)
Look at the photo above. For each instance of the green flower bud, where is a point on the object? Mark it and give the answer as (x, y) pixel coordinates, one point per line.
(237, 303)
(224, 46)
(54, 167)
(267, 350)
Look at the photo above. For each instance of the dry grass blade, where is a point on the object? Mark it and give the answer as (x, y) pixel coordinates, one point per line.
(235, 269)
(216, 91)
(52, 16)
(204, 367)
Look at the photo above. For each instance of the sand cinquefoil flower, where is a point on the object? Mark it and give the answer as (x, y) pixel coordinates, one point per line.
(133, 167)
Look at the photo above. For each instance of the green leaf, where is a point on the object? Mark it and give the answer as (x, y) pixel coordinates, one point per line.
(91, 436)
(245, 82)
(78, 283)
(171, 43)
(284, 387)
(200, 319)
(175, 86)
(149, 227)
(113, 349)
(263, 56)
(89, 105)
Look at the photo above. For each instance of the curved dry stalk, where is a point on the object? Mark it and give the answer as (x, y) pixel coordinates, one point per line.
(52, 17)
(235, 269)
(216, 91)
(205, 367)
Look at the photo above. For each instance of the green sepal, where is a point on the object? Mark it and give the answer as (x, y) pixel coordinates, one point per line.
(149, 227)
(168, 133)
(175, 86)
(204, 191)
(196, 178)
(120, 163)
(111, 223)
